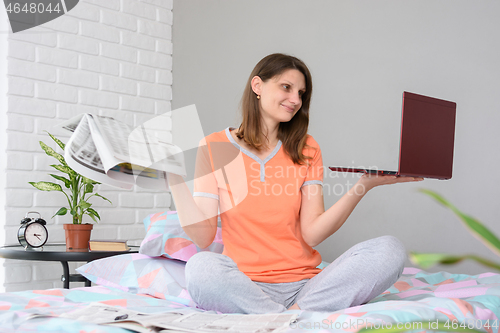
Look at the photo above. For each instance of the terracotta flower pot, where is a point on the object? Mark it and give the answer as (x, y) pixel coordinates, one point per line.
(77, 236)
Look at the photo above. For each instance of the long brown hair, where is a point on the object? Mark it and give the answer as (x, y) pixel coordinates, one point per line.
(293, 134)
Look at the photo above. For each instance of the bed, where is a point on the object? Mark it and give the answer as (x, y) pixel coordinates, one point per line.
(154, 282)
(417, 296)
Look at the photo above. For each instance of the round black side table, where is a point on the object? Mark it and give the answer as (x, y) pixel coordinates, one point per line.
(58, 252)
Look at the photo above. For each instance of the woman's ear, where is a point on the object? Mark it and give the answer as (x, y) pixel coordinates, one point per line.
(256, 85)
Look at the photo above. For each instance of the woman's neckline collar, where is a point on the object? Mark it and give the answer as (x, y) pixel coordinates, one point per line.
(248, 153)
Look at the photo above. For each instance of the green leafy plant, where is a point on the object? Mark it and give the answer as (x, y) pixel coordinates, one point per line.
(79, 187)
(426, 260)
(476, 228)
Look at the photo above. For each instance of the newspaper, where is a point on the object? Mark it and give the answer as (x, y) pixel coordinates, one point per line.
(111, 152)
(168, 322)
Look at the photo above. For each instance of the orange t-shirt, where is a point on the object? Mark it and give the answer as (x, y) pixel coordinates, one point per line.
(259, 206)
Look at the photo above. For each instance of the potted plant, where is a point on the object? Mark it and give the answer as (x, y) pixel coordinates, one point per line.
(80, 189)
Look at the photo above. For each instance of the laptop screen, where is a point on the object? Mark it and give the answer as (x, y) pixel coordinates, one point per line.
(427, 137)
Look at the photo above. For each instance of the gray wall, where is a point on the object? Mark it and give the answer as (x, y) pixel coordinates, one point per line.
(363, 54)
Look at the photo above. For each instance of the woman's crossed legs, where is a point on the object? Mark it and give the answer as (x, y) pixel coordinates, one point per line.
(360, 274)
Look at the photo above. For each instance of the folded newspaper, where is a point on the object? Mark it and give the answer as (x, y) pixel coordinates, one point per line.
(111, 152)
(102, 314)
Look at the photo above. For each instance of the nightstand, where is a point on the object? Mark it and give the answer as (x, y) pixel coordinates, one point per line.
(58, 252)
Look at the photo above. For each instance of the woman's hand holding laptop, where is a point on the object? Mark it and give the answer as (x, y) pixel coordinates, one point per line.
(369, 181)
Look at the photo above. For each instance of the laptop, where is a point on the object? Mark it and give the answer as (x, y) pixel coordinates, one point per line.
(427, 139)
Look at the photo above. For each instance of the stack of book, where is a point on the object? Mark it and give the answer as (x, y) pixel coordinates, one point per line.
(108, 245)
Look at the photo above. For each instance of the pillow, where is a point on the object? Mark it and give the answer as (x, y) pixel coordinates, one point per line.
(140, 274)
(165, 237)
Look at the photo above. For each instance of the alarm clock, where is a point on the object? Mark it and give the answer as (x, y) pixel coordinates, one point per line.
(32, 233)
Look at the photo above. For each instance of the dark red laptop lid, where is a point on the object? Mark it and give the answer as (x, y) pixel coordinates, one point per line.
(427, 137)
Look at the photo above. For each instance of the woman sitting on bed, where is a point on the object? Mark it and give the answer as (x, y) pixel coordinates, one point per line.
(265, 179)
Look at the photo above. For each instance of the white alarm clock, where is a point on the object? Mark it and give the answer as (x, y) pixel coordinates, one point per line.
(32, 232)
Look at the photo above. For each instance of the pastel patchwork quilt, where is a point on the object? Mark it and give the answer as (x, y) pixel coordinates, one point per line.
(456, 299)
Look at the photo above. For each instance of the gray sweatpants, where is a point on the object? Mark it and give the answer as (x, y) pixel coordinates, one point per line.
(360, 274)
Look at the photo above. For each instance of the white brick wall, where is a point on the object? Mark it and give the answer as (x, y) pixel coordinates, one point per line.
(4, 88)
(107, 57)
